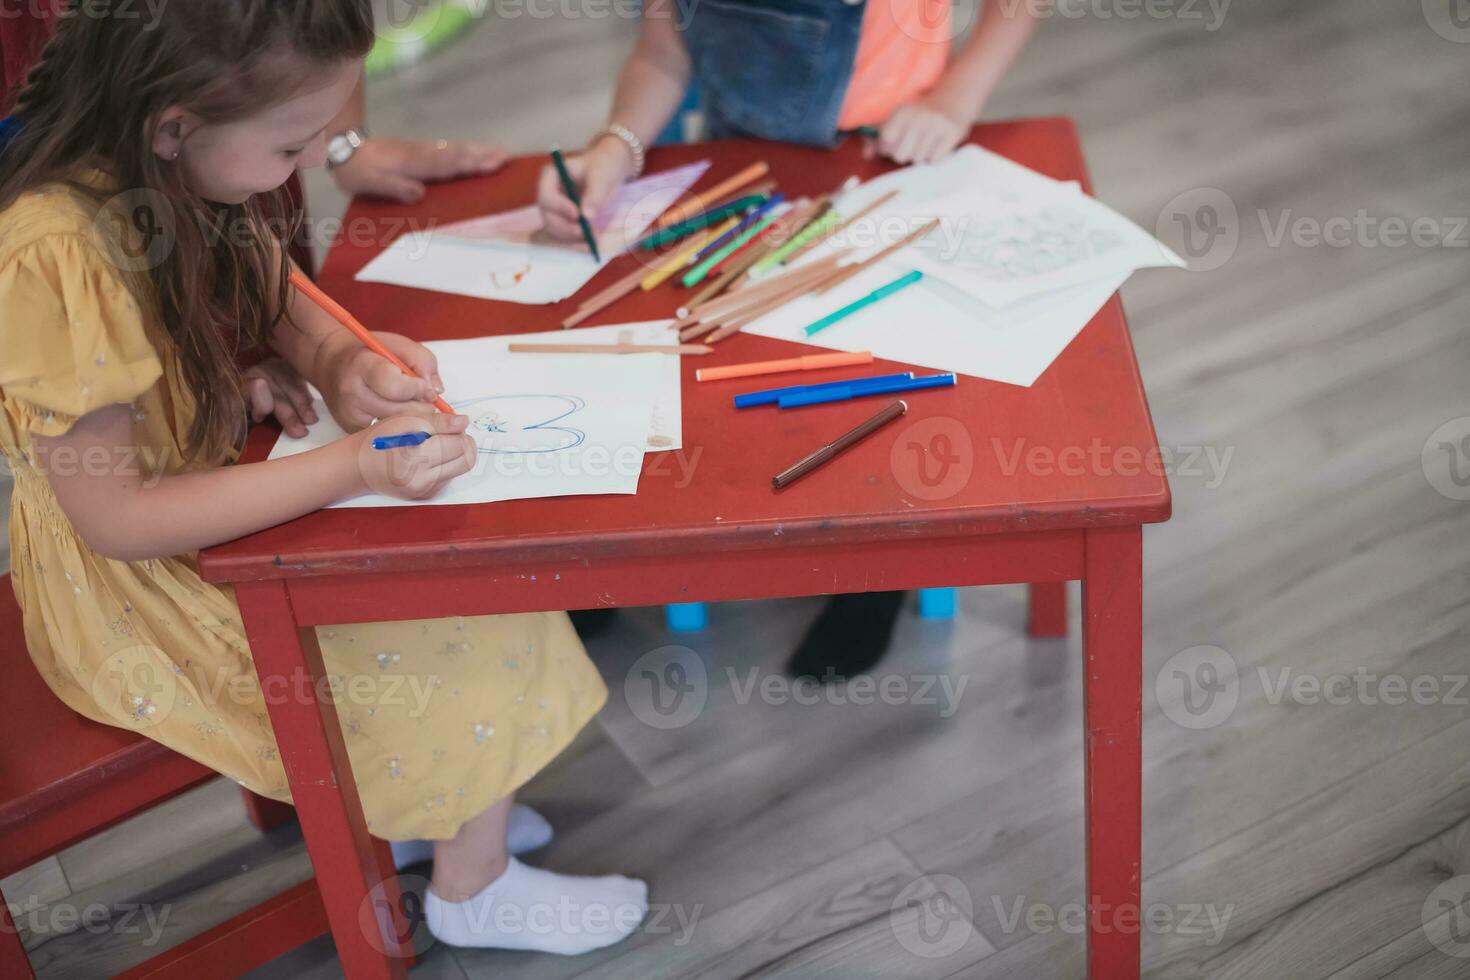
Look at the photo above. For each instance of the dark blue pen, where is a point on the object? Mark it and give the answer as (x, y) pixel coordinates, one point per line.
(773, 395)
(843, 393)
(403, 441)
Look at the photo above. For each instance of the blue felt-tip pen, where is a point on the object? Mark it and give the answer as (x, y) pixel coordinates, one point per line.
(403, 441)
(842, 394)
(773, 395)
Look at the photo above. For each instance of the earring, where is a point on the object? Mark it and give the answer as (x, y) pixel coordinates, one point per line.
(175, 155)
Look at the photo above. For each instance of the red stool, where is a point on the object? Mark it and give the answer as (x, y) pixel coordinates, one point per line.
(64, 778)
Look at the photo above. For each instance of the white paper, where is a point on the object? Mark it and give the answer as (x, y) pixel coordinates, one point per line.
(666, 427)
(509, 257)
(931, 324)
(546, 425)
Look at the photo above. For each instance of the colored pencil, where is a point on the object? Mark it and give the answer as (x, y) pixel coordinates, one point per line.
(832, 232)
(694, 203)
(571, 191)
(314, 292)
(704, 219)
(813, 230)
(839, 445)
(788, 288)
(851, 270)
(809, 362)
(609, 349)
(696, 275)
(597, 303)
(742, 260)
(682, 257)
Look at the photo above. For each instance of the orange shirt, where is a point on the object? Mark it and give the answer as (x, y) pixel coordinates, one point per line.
(902, 52)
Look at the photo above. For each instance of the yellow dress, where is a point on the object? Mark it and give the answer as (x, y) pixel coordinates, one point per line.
(441, 718)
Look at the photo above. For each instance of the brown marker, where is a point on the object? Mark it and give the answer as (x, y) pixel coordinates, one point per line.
(843, 442)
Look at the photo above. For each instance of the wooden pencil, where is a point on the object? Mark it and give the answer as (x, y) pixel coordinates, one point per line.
(314, 292)
(770, 286)
(607, 297)
(740, 262)
(839, 226)
(694, 204)
(849, 271)
(680, 258)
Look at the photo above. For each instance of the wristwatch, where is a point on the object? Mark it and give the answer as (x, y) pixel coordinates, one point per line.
(343, 146)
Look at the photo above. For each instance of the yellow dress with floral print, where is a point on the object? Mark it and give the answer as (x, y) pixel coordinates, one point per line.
(441, 718)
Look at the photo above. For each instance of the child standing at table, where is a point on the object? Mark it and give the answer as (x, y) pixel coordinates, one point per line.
(121, 311)
(802, 71)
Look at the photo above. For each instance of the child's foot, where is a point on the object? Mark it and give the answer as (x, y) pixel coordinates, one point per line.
(849, 638)
(525, 831)
(531, 909)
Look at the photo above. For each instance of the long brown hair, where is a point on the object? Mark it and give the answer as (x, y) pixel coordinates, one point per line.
(97, 93)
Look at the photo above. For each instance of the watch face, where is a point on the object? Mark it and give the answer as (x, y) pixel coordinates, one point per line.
(339, 149)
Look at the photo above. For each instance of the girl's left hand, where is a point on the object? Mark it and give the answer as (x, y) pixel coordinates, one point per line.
(398, 169)
(359, 385)
(273, 387)
(921, 132)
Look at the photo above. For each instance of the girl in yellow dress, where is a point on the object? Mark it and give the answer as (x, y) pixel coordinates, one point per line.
(141, 220)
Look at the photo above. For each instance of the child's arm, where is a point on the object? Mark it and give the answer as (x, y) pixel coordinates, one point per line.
(931, 127)
(124, 513)
(650, 90)
(357, 385)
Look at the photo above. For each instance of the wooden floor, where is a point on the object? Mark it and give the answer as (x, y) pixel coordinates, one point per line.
(1315, 545)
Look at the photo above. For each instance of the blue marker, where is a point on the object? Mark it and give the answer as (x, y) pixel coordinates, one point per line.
(843, 393)
(773, 395)
(403, 441)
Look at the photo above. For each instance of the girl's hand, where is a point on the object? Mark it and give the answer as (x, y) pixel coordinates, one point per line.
(359, 385)
(415, 472)
(597, 171)
(922, 132)
(398, 169)
(273, 387)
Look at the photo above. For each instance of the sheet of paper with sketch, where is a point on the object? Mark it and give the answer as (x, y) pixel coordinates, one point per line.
(509, 256)
(544, 426)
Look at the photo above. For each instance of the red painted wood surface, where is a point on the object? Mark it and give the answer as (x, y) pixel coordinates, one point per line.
(1091, 396)
(1047, 609)
(1112, 706)
(1046, 483)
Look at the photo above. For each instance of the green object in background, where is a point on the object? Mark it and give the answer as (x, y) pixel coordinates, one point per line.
(401, 45)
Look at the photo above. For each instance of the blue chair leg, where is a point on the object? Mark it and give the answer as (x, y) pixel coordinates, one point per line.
(937, 603)
(685, 617)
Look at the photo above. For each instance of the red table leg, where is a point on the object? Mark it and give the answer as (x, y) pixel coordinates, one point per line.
(266, 813)
(1048, 609)
(1112, 618)
(357, 888)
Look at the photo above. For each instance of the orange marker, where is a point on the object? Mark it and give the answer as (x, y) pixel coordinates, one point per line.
(313, 292)
(811, 362)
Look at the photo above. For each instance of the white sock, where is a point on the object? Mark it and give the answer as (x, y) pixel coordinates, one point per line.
(531, 909)
(525, 831)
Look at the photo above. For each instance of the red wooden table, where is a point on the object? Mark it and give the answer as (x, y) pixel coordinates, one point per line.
(1019, 485)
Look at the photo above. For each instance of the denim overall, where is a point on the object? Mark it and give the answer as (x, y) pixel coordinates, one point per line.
(772, 69)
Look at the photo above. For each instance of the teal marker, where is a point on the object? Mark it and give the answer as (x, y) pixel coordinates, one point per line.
(571, 189)
(901, 282)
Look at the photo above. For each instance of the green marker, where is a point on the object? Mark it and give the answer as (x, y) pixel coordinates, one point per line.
(868, 300)
(571, 191)
(694, 275)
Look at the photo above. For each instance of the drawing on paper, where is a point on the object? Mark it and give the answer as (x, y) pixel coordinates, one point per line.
(519, 424)
(1036, 243)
